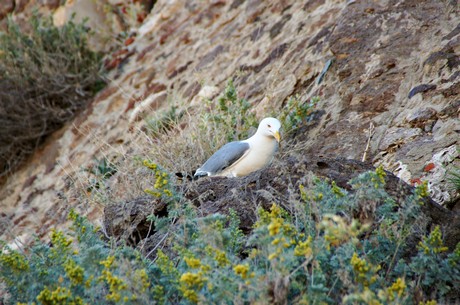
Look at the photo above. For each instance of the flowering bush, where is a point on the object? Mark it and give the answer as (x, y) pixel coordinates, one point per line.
(314, 251)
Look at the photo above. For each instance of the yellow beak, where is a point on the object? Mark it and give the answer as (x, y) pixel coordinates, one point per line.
(277, 136)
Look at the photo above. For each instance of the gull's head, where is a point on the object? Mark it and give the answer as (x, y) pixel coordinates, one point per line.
(270, 127)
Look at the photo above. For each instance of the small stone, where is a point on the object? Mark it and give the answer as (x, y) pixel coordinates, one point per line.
(402, 172)
(206, 93)
(129, 41)
(415, 182)
(429, 126)
(395, 135)
(421, 116)
(429, 167)
(420, 89)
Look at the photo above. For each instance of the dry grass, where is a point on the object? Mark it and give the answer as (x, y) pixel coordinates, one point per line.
(180, 149)
(188, 144)
(178, 139)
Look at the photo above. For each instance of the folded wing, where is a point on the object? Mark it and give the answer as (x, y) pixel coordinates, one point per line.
(229, 154)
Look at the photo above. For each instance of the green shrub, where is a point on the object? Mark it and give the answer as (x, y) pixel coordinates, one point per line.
(233, 114)
(47, 75)
(102, 171)
(79, 268)
(229, 114)
(454, 179)
(296, 112)
(163, 123)
(317, 253)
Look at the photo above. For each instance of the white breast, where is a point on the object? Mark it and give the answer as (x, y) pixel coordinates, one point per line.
(261, 152)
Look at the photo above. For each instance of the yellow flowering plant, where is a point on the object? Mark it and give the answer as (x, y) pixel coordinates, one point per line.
(312, 250)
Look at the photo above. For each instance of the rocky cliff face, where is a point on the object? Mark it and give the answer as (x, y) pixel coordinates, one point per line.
(386, 72)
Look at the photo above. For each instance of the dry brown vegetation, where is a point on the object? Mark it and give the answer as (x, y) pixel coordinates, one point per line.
(46, 76)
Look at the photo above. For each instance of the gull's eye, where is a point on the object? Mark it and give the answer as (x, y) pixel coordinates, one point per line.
(269, 126)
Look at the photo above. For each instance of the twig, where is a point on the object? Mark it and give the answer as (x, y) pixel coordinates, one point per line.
(370, 133)
(156, 246)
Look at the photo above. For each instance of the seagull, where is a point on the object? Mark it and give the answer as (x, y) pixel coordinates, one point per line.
(240, 158)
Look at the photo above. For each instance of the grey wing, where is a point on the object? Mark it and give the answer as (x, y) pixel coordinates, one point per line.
(223, 158)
